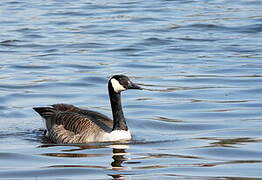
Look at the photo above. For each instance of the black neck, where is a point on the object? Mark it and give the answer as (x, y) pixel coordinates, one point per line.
(118, 115)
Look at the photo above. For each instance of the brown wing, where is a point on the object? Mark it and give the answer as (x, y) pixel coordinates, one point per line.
(74, 119)
(78, 123)
(65, 107)
(93, 115)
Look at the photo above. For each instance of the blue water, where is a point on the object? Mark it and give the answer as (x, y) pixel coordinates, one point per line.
(202, 61)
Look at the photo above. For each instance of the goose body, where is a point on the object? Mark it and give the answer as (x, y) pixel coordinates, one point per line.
(69, 124)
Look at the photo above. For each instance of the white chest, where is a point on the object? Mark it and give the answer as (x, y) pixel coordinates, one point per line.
(117, 135)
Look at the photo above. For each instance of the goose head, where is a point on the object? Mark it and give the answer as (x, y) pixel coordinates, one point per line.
(121, 83)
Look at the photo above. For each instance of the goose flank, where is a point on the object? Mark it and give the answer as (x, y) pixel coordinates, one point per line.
(66, 123)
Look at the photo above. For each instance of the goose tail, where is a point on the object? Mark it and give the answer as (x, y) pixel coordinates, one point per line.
(47, 113)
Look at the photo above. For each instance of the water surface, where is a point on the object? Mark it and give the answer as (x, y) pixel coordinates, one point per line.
(202, 59)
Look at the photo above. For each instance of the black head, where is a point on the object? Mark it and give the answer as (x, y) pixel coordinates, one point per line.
(121, 83)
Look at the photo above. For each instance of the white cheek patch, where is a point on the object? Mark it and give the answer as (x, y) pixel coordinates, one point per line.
(117, 86)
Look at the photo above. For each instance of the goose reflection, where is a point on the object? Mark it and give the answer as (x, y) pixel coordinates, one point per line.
(119, 153)
(119, 157)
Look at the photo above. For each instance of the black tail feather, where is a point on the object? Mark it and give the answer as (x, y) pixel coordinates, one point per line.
(48, 113)
(45, 112)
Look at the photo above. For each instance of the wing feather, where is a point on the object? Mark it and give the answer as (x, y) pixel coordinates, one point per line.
(69, 124)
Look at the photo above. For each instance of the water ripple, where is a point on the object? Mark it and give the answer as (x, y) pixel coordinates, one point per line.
(199, 62)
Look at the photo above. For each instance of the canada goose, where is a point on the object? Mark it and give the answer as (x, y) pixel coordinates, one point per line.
(69, 124)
